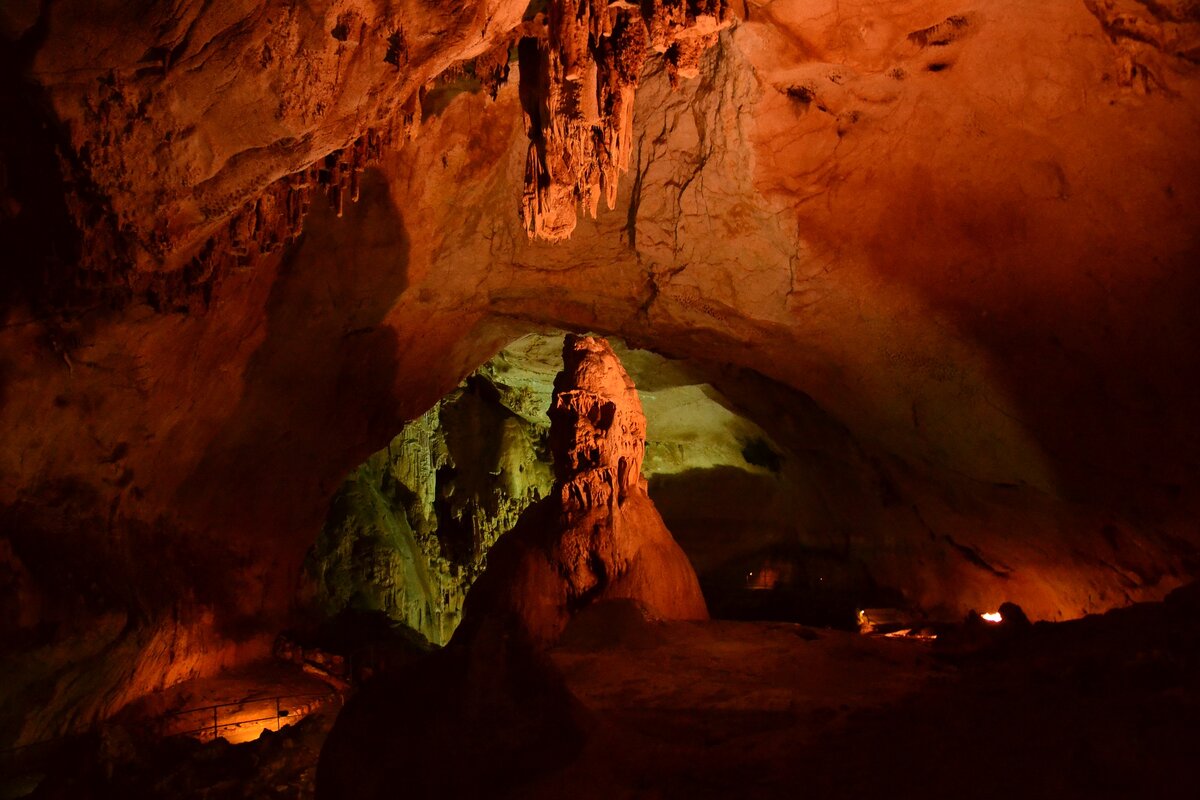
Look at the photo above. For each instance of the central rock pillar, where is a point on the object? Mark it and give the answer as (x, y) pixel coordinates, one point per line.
(597, 536)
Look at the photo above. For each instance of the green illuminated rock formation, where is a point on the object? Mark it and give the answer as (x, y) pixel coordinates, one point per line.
(409, 530)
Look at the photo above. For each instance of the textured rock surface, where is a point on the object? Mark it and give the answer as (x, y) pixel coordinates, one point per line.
(966, 233)
(578, 88)
(598, 537)
(410, 529)
(774, 711)
(179, 115)
(769, 710)
(724, 249)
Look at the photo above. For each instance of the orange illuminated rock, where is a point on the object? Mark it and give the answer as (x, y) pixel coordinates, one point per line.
(598, 536)
(966, 236)
(578, 87)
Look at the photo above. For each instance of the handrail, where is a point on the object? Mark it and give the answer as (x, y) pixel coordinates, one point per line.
(216, 726)
(10, 751)
(224, 725)
(247, 701)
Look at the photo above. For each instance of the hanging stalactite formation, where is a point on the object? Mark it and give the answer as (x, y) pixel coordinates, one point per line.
(577, 88)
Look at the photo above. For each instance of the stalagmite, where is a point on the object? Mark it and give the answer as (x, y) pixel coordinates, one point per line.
(598, 536)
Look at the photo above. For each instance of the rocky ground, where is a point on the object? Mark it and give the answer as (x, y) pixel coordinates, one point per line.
(276, 765)
(1098, 707)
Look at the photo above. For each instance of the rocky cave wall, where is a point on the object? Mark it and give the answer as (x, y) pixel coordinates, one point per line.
(409, 530)
(966, 233)
(1036, 483)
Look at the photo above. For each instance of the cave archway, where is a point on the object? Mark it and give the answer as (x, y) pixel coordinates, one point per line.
(771, 498)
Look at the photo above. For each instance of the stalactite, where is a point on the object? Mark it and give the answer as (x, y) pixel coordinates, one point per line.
(581, 61)
(577, 87)
(273, 219)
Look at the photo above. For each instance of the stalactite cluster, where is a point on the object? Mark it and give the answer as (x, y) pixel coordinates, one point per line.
(577, 88)
(272, 220)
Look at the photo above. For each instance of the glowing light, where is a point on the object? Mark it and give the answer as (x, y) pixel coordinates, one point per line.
(992, 616)
(769, 576)
(911, 633)
(244, 720)
(868, 627)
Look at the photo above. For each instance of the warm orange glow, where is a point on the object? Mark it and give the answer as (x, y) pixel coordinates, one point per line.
(765, 578)
(870, 622)
(243, 721)
(992, 616)
(911, 633)
(237, 733)
(247, 724)
(770, 575)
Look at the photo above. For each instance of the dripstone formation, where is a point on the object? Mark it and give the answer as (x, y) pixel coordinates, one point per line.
(492, 692)
(598, 536)
(577, 87)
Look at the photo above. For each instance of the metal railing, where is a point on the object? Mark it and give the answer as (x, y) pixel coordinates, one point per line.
(281, 713)
(215, 726)
(21, 759)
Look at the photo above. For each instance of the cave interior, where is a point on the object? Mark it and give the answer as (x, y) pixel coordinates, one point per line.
(592, 398)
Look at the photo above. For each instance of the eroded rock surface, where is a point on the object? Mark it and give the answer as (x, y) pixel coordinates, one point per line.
(410, 529)
(182, 118)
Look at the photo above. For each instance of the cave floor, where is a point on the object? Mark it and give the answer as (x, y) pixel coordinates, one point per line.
(726, 684)
(1099, 707)
(1102, 707)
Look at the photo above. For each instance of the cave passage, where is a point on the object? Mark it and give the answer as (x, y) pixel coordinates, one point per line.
(583, 660)
(409, 530)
